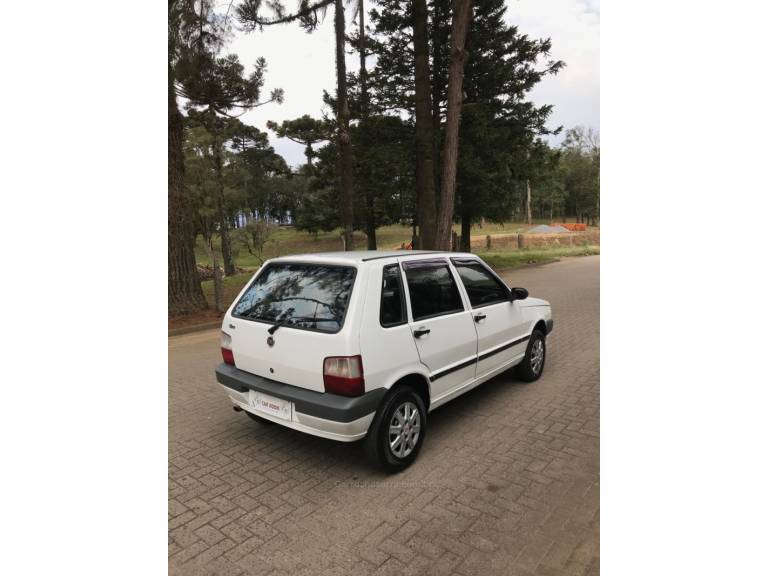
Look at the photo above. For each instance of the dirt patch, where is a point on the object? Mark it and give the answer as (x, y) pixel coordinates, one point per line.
(202, 317)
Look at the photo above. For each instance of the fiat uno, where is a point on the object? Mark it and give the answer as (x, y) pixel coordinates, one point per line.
(364, 345)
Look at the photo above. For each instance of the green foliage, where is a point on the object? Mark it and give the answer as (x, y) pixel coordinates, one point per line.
(581, 173)
(200, 177)
(500, 125)
(384, 167)
(254, 179)
(254, 237)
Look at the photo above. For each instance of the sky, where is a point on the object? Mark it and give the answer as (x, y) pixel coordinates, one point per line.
(303, 66)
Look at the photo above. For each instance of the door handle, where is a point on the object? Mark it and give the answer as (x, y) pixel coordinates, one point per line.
(419, 332)
(480, 317)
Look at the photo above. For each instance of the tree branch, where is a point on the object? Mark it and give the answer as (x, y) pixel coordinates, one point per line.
(248, 14)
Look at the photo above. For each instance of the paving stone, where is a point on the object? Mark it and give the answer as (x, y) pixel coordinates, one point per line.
(508, 481)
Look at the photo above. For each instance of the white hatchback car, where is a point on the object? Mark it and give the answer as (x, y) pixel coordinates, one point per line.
(353, 345)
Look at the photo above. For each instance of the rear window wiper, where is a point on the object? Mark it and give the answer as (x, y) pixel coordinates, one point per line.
(286, 321)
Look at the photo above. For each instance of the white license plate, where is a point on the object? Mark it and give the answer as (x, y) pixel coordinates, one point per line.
(270, 405)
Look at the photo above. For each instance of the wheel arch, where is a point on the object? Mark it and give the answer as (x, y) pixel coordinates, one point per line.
(418, 382)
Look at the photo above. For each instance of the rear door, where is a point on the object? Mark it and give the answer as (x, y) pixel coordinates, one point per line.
(441, 326)
(501, 336)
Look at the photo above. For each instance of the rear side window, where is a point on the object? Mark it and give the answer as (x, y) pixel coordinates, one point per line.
(432, 290)
(308, 296)
(392, 310)
(483, 288)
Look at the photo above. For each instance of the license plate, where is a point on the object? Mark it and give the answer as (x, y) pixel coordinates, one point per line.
(270, 405)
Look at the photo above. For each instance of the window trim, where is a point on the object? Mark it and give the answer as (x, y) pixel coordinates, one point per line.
(432, 263)
(268, 265)
(424, 263)
(403, 304)
(476, 261)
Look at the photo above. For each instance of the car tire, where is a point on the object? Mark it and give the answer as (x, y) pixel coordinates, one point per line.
(258, 419)
(532, 366)
(379, 448)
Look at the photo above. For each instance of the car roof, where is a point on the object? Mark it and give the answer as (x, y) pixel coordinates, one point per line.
(359, 256)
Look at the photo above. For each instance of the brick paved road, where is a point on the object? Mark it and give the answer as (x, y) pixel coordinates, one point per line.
(507, 481)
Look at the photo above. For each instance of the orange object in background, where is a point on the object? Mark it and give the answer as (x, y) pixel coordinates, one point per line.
(572, 226)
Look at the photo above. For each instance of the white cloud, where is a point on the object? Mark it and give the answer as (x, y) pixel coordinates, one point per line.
(303, 65)
(574, 27)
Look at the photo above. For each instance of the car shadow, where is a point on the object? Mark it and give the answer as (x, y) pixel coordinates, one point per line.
(346, 461)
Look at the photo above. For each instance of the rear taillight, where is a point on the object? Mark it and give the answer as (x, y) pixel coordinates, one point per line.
(226, 349)
(344, 375)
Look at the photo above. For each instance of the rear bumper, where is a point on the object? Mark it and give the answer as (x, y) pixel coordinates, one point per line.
(327, 415)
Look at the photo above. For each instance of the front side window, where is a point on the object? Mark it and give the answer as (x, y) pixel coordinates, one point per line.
(392, 310)
(483, 288)
(309, 296)
(432, 290)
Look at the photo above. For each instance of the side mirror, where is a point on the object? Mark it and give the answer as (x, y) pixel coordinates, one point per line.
(518, 294)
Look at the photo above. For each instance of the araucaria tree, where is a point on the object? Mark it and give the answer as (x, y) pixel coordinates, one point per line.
(215, 88)
(307, 14)
(304, 130)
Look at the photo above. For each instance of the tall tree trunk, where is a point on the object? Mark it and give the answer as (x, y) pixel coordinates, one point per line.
(462, 14)
(425, 179)
(438, 86)
(217, 287)
(226, 248)
(528, 214)
(344, 139)
(370, 222)
(184, 292)
(466, 230)
(363, 69)
(370, 216)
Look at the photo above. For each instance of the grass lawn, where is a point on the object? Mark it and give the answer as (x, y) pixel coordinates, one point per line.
(512, 258)
(287, 240)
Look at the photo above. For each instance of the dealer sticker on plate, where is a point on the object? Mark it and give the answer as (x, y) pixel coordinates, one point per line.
(270, 405)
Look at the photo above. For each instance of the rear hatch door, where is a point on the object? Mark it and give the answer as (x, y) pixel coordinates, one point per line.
(305, 306)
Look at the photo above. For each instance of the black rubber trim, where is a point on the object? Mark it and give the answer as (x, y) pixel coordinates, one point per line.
(380, 257)
(505, 347)
(550, 325)
(405, 253)
(452, 369)
(322, 405)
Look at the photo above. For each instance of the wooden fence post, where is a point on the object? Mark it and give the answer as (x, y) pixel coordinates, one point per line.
(520, 241)
(488, 242)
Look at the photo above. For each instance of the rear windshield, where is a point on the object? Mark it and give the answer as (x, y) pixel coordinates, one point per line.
(308, 296)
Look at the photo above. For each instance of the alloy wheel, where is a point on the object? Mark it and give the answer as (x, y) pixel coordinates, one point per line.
(404, 429)
(537, 355)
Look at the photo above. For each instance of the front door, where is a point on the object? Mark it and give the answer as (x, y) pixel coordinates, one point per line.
(501, 332)
(441, 327)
